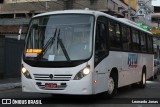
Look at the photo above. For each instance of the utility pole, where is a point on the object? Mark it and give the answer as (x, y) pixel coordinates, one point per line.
(129, 9)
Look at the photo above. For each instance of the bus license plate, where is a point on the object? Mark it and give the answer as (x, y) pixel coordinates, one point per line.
(50, 85)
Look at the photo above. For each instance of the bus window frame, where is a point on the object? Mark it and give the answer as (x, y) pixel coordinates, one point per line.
(138, 49)
(144, 34)
(120, 29)
(148, 36)
(104, 20)
(130, 38)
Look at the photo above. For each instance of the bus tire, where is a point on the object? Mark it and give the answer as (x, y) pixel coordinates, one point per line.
(142, 83)
(112, 85)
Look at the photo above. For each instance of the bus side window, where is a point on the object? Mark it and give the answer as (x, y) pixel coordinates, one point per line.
(126, 38)
(100, 37)
(135, 40)
(100, 42)
(143, 42)
(114, 35)
(149, 42)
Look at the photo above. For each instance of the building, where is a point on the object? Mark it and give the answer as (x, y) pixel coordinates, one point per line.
(156, 20)
(27, 8)
(19, 12)
(156, 29)
(144, 10)
(156, 16)
(20, 1)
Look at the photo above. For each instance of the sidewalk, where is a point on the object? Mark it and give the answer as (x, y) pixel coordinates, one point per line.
(10, 83)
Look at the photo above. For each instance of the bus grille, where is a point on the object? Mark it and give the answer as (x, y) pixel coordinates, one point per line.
(51, 77)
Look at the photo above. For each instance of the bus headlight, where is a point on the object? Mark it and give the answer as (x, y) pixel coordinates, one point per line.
(26, 73)
(82, 73)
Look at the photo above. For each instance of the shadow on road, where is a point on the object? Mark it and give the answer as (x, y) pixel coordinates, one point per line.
(124, 96)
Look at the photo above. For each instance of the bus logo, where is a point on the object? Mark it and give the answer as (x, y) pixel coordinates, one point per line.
(51, 76)
(132, 60)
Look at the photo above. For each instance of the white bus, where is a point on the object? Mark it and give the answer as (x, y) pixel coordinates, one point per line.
(84, 52)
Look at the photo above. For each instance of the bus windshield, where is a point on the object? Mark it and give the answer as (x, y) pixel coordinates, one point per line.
(60, 38)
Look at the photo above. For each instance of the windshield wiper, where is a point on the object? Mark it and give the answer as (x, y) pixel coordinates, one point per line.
(49, 43)
(62, 46)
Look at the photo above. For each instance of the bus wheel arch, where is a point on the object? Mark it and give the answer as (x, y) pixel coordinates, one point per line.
(112, 83)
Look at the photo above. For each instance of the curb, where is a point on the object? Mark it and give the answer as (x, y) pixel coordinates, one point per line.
(10, 86)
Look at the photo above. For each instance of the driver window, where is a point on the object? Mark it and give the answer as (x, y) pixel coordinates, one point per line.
(100, 42)
(101, 37)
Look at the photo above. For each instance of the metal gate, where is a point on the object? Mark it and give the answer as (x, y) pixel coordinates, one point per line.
(13, 54)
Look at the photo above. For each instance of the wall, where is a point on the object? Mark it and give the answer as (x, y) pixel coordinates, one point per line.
(2, 51)
(133, 3)
(12, 58)
(96, 5)
(19, 1)
(38, 7)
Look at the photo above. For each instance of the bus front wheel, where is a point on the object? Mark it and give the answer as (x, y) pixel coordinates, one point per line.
(112, 86)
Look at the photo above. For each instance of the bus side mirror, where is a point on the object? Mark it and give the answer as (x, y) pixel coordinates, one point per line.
(19, 33)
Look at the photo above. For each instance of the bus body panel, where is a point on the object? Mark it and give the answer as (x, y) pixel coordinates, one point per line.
(126, 74)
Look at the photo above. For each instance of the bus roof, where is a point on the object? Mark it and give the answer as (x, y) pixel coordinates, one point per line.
(96, 13)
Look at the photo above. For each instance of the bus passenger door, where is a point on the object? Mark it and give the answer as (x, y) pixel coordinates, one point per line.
(101, 52)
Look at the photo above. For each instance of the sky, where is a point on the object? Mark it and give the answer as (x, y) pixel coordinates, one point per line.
(156, 2)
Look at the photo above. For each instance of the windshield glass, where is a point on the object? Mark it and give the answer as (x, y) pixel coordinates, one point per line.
(60, 38)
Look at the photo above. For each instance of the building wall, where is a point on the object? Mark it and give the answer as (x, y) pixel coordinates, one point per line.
(12, 58)
(2, 54)
(96, 5)
(19, 1)
(133, 3)
(31, 7)
(77, 4)
(58, 5)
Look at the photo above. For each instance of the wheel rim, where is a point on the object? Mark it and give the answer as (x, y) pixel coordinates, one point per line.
(144, 78)
(110, 85)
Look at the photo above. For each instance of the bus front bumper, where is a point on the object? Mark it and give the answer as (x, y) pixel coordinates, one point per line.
(74, 87)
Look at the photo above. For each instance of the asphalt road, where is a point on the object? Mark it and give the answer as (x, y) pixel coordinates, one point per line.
(126, 96)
